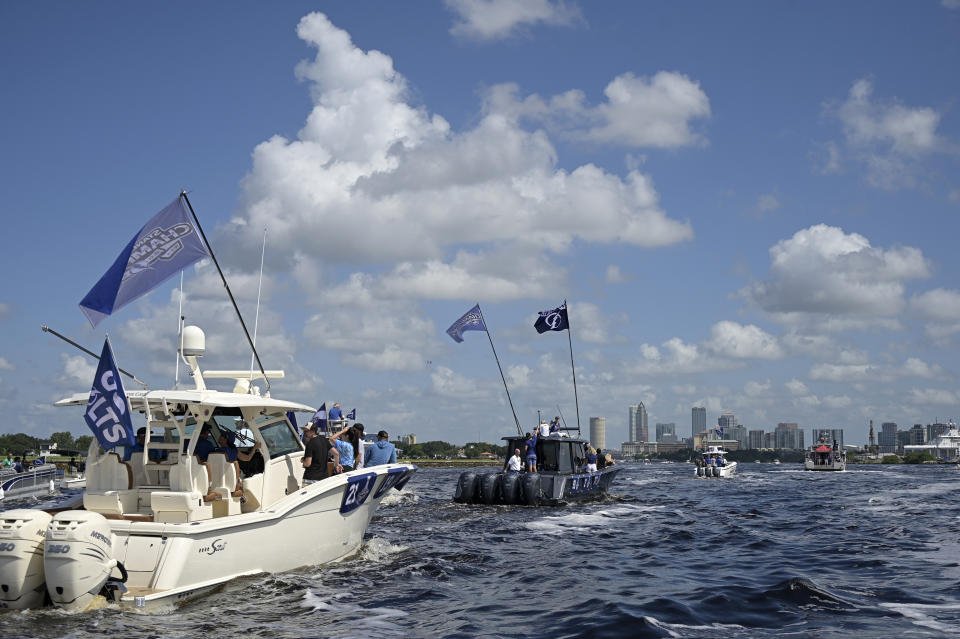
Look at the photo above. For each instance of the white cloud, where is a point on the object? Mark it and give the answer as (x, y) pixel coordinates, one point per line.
(730, 339)
(886, 137)
(615, 276)
(941, 305)
(77, 369)
(821, 269)
(837, 401)
(6, 365)
(639, 112)
(796, 387)
(757, 389)
(374, 179)
(926, 396)
(950, 4)
(843, 372)
(448, 383)
(914, 367)
(498, 19)
(4, 310)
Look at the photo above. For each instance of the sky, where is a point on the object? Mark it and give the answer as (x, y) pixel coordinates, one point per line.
(750, 206)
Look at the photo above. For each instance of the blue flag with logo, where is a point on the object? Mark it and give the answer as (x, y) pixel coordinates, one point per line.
(108, 413)
(352, 414)
(720, 433)
(320, 418)
(472, 320)
(553, 320)
(167, 244)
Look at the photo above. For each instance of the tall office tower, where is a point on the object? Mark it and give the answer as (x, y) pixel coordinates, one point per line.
(698, 420)
(770, 440)
(917, 435)
(667, 432)
(888, 437)
(738, 433)
(935, 430)
(789, 435)
(755, 439)
(726, 421)
(598, 432)
(830, 435)
(638, 423)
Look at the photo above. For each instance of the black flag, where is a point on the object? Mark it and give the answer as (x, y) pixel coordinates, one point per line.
(553, 320)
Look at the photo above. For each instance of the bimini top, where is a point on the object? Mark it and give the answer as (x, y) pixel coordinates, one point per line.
(715, 450)
(823, 448)
(162, 399)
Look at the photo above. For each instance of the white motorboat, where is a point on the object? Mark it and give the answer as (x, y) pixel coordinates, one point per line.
(823, 456)
(34, 481)
(164, 527)
(713, 463)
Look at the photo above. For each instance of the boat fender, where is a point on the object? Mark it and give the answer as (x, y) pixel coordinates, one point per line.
(510, 488)
(21, 558)
(466, 487)
(490, 488)
(531, 489)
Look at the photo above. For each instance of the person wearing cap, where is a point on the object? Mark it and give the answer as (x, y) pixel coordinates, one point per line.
(381, 452)
(137, 444)
(315, 456)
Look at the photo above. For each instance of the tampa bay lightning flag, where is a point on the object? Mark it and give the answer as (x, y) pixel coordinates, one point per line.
(720, 433)
(553, 320)
(167, 244)
(319, 418)
(472, 320)
(352, 414)
(108, 414)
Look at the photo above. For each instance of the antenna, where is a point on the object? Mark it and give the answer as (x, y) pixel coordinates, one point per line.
(256, 319)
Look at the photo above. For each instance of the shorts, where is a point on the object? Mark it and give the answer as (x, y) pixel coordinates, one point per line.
(591, 468)
(532, 459)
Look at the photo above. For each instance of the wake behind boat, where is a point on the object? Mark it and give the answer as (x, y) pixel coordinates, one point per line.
(165, 527)
(561, 476)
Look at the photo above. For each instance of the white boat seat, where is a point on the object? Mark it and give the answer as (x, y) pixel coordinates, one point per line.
(110, 486)
(178, 507)
(225, 491)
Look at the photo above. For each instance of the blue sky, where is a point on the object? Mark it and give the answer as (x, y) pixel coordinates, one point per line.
(750, 206)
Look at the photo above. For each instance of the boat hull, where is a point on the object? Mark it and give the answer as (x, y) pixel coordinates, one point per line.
(532, 489)
(832, 466)
(728, 470)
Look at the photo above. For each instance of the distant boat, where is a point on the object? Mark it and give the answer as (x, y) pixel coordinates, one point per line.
(34, 481)
(562, 477)
(776, 461)
(714, 464)
(824, 457)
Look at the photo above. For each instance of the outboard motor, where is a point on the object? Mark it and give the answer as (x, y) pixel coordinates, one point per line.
(510, 488)
(716, 471)
(699, 471)
(78, 558)
(531, 489)
(489, 485)
(466, 487)
(22, 532)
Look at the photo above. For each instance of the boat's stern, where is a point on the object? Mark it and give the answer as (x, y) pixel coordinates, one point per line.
(78, 558)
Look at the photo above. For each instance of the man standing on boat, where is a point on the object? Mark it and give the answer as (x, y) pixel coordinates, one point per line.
(531, 445)
(315, 457)
(381, 452)
(514, 464)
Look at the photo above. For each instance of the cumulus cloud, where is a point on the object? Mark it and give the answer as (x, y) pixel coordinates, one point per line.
(498, 19)
(941, 307)
(823, 270)
(615, 276)
(885, 137)
(927, 396)
(796, 387)
(655, 111)
(730, 339)
(5, 365)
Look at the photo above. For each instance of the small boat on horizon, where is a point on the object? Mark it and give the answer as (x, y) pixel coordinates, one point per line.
(825, 457)
(713, 463)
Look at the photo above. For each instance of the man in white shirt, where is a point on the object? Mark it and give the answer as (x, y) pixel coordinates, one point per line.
(514, 464)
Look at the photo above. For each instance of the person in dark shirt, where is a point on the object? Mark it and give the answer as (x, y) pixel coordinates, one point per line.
(315, 457)
(137, 444)
(531, 452)
(204, 445)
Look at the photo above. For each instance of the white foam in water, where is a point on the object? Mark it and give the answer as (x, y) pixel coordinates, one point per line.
(364, 622)
(379, 550)
(671, 628)
(599, 519)
(918, 614)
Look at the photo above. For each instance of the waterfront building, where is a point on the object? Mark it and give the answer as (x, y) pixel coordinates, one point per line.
(667, 432)
(726, 421)
(638, 423)
(946, 447)
(698, 420)
(888, 437)
(755, 439)
(598, 432)
(830, 434)
(408, 440)
(917, 435)
(935, 430)
(770, 440)
(788, 435)
(738, 433)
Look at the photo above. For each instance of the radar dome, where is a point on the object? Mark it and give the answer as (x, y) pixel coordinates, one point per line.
(193, 342)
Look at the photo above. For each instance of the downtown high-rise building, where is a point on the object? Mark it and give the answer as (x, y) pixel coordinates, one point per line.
(667, 432)
(755, 439)
(638, 423)
(829, 436)
(788, 435)
(598, 432)
(698, 420)
(887, 437)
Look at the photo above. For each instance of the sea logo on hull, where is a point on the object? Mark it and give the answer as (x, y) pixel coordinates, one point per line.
(215, 546)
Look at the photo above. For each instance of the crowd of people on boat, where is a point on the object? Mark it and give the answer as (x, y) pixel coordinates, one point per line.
(328, 454)
(18, 464)
(594, 458)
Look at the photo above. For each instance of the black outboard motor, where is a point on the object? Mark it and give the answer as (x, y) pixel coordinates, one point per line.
(466, 487)
(531, 489)
(489, 488)
(510, 488)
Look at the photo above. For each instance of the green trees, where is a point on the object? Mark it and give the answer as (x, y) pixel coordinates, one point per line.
(918, 458)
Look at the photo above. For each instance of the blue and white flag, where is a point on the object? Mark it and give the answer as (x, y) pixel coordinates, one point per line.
(472, 320)
(553, 320)
(720, 433)
(319, 418)
(108, 413)
(352, 414)
(165, 245)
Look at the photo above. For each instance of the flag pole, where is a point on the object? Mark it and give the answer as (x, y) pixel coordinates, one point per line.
(487, 331)
(183, 194)
(47, 329)
(572, 369)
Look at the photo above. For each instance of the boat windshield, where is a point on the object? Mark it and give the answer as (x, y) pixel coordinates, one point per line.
(279, 436)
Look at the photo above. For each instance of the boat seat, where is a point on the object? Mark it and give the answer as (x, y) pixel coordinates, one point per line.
(225, 489)
(144, 474)
(110, 486)
(189, 485)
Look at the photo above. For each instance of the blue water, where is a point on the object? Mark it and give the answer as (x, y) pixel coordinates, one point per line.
(776, 551)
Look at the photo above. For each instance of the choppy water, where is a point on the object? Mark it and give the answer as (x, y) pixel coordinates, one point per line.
(777, 551)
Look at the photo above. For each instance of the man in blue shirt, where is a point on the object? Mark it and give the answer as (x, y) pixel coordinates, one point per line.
(381, 452)
(204, 445)
(531, 446)
(335, 413)
(137, 444)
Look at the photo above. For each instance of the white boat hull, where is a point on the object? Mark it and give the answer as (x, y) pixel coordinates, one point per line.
(727, 470)
(836, 465)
